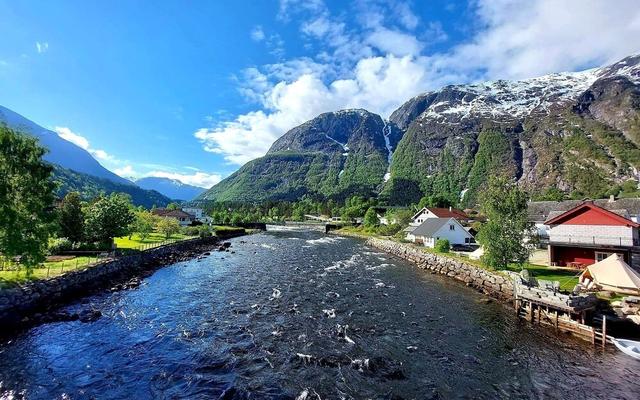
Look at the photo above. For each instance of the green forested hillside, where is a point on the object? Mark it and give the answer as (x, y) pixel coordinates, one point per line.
(90, 186)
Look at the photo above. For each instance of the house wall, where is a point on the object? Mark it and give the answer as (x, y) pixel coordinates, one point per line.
(593, 234)
(456, 236)
(423, 216)
(562, 255)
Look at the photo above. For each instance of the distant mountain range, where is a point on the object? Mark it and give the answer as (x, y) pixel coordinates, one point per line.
(172, 188)
(75, 169)
(577, 132)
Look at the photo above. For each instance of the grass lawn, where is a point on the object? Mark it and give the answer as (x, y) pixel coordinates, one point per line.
(10, 278)
(136, 242)
(567, 279)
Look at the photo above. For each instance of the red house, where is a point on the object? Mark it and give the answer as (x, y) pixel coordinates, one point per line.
(588, 233)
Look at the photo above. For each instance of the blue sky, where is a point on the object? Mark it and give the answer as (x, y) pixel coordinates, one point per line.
(192, 90)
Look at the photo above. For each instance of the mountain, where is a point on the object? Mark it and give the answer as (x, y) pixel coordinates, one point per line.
(91, 186)
(577, 132)
(75, 169)
(61, 151)
(172, 188)
(336, 155)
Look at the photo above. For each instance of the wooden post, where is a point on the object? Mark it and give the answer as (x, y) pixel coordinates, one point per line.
(604, 330)
(593, 336)
(532, 311)
(556, 315)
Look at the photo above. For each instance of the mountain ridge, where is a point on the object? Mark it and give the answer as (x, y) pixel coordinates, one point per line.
(576, 131)
(61, 151)
(172, 188)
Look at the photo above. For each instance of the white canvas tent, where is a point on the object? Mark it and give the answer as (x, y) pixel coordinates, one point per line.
(613, 274)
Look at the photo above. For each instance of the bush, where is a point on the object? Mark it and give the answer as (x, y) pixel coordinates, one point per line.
(191, 231)
(57, 246)
(204, 231)
(442, 246)
(389, 230)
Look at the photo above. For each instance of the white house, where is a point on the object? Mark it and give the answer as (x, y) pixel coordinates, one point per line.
(198, 214)
(437, 212)
(434, 229)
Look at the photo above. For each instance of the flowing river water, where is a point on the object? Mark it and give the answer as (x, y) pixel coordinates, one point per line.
(302, 315)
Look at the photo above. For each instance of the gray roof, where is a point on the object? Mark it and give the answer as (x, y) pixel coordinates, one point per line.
(430, 226)
(540, 211)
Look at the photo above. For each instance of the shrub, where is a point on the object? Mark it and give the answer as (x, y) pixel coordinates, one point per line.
(191, 230)
(57, 246)
(442, 246)
(389, 230)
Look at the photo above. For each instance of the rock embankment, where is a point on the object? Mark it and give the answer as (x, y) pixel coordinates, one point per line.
(38, 301)
(491, 283)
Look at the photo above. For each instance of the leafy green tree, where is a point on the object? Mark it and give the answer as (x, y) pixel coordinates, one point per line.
(144, 223)
(371, 218)
(402, 216)
(552, 194)
(72, 218)
(109, 217)
(434, 200)
(173, 206)
(168, 226)
(507, 236)
(442, 246)
(26, 197)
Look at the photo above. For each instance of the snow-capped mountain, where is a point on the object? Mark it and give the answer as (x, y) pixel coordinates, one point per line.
(578, 132)
(172, 188)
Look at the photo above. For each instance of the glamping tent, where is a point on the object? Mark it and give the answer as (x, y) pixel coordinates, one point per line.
(613, 274)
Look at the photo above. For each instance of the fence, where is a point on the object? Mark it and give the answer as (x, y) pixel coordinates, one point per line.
(71, 261)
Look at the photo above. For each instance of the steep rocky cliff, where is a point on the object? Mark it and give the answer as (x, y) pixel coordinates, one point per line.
(336, 155)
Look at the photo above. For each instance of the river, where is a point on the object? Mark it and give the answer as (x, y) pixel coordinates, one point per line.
(302, 315)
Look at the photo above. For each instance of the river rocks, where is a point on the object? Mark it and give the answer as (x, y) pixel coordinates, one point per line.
(490, 283)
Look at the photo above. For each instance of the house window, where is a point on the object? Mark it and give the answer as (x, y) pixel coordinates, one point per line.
(452, 227)
(601, 255)
(467, 240)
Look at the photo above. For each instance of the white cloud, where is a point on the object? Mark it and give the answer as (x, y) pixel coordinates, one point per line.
(200, 179)
(42, 47)
(126, 172)
(257, 34)
(525, 39)
(394, 42)
(383, 64)
(72, 137)
(81, 141)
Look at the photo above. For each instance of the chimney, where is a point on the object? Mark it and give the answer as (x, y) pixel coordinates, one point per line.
(612, 198)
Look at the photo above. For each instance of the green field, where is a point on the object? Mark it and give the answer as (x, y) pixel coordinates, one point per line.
(567, 279)
(11, 277)
(136, 242)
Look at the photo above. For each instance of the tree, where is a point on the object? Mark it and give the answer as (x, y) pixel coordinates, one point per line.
(371, 218)
(434, 200)
(168, 226)
(507, 236)
(26, 198)
(72, 218)
(144, 223)
(109, 217)
(442, 246)
(173, 206)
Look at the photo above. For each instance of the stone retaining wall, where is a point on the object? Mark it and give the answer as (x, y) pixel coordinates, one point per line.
(19, 303)
(491, 283)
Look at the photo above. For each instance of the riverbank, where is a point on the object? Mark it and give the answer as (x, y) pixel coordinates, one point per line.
(37, 302)
(495, 284)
